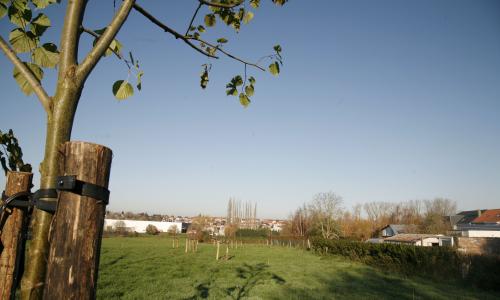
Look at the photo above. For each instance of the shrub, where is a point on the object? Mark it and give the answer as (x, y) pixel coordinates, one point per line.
(151, 229)
(436, 262)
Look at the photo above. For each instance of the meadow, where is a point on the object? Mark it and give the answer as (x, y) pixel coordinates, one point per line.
(147, 267)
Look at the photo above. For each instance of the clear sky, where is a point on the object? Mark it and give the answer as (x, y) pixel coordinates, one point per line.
(377, 101)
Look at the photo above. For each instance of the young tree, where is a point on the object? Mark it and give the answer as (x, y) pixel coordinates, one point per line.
(29, 56)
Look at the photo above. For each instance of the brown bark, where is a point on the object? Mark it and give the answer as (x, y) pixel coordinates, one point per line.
(77, 226)
(11, 237)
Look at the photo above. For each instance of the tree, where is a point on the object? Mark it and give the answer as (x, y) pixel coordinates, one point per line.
(25, 45)
(172, 230)
(152, 230)
(326, 211)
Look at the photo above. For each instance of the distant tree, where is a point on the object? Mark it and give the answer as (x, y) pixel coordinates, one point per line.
(435, 212)
(172, 230)
(326, 211)
(152, 230)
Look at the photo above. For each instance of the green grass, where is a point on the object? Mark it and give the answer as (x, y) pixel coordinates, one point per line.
(148, 268)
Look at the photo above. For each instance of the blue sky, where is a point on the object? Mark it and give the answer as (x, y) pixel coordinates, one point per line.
(377, 101)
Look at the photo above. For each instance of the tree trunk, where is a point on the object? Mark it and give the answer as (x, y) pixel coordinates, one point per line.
(59, 126)
(11, 238)
(77, 226)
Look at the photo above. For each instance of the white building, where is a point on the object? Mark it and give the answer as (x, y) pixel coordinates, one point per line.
(140, 226)
(426, 240)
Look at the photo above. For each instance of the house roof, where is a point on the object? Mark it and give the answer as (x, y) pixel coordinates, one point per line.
(488, 216)
(466, 217)
(400, 228)
(409, 237)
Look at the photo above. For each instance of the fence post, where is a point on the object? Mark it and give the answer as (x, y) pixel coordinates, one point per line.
(12, 238)
(217, 256)
(76, 230)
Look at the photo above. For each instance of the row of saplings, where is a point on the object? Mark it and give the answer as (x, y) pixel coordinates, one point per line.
(435, 262)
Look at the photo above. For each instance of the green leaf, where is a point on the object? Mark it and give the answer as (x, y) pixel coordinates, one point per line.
(210, 20)
(244, 100)
(40, 24)
(122, 89)
(249, 90)
(21, 80)
(237, 80)
(204, 79)
(44, 3)
(139, 80)
(222, 41)
(46, 56)
(274, 68)
(252, 80)
(3, 10)
(280, 2)
(255, 3)
(116, 46)
(20, 4)
(19, 16)
(201, 28)
(22, 41)
(277, 48)
(248, 17)
(232, 92)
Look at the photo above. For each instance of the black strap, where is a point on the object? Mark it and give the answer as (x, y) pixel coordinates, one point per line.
(17, 200)
(71, 184)
(39, 200)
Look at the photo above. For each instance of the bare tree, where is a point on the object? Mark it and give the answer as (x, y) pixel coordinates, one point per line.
(326, 211)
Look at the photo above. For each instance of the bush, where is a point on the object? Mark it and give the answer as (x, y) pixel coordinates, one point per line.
(245, 232)
(436, 262)
(151, 229)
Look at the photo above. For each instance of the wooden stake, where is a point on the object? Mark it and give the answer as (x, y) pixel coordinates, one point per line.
(12, 235)
(187, 242)
(76, 230)
(217, 255)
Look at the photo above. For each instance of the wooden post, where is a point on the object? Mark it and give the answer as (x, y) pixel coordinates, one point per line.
(11, 235)
(227, 252)
(187, 245)
(173, 243)
(76, 230)
(218, 246)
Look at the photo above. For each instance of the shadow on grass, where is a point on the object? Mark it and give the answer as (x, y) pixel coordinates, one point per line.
(370, 284)
(247, 278)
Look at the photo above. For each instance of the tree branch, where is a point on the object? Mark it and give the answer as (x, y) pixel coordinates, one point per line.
(177, 35)
(192, 19)
(221, 5)
(26, 72)
(96, 35)
(229, 54)
(70, 37)
(104, 41)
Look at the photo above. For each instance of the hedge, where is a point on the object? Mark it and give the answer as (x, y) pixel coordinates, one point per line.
(435, 262)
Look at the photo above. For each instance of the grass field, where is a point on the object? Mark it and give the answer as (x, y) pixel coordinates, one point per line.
(148, 268)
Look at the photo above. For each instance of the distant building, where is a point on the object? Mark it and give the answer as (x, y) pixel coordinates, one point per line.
(477, 223)
(425, 240)
(140, 226)
(394, 229)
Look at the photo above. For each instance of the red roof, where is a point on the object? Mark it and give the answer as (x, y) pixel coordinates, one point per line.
(488, 216)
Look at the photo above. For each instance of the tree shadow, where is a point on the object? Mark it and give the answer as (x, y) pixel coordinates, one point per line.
(252, 275)
(370, 284)
(247, 278)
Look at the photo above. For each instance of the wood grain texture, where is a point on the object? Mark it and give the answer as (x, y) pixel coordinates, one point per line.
(12, 246)
(76, 231)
